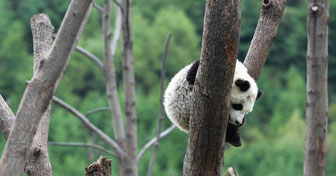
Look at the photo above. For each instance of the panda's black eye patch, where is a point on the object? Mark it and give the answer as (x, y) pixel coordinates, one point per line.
(243, 85)
(237, 106)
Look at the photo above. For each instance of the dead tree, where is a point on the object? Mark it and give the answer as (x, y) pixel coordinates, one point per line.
(38, 162)
(40, 90)
(317, 88)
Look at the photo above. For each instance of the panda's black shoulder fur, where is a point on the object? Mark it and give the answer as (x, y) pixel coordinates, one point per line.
(191, 75)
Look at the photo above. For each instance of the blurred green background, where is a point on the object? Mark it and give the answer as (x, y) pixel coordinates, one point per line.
(273, 137)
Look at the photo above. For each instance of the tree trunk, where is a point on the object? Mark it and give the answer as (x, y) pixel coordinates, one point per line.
(317, 93)
(129, 86)
(211, 94)
(40, 89)
(38, 163)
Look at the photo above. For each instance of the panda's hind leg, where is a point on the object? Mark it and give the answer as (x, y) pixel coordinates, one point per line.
(233, 135)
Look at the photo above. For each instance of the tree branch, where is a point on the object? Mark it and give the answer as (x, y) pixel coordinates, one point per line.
(129, 83)
(110, 76)
(212, 89)
(153, 141)
(92, 57)
(163, 76)
(266, 30)
(76, 144)
(38, 162)
(90, 126)
(7, 118)
(41, 88)
(98, 7)
(117, 31)
(118, 4)
(97, 110)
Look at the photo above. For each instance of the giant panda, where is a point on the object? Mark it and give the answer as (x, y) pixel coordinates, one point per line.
(244, 92)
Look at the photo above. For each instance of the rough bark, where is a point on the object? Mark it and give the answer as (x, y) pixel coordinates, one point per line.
(211, 92)
(266, 30)
(40, 89)
(102, 167)
(317, 88)
(129, 86)
(7, 118)
(38, 162)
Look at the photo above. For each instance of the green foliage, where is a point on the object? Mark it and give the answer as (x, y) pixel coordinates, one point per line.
(273, 137)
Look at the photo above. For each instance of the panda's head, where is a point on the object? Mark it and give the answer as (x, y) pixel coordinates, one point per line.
(244, 93)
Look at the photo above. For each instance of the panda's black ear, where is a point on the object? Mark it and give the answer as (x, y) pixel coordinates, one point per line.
(260, 93)
(243, 85)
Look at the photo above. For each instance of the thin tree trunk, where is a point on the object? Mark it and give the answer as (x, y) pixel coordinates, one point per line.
(38, 162)
(211, 92)
(317, 93)
(40, 89)
(129, 86)
(266, 30)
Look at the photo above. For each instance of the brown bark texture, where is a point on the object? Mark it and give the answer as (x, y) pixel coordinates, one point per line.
(102, 167)
(317, 88)
(131, 168)
(40, 89)
(211, 92)
(266, 30)
(38, 163)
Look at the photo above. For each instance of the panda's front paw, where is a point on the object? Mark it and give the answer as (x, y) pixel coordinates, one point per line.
(233, 135)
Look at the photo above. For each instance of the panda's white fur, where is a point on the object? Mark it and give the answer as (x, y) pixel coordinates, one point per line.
(177, 98)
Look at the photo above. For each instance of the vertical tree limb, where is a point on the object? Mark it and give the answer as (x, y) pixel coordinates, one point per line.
(129, 86)
(110, 75)
(211, 92)
(40, 89)
(111, 85)
(38, 163)
(163, 76)
(266, 30)
(317, 88)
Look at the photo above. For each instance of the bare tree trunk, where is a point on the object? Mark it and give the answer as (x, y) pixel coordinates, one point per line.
(38, 162)
(317, 88)
(129, 86)
(102, 167)
(266, 30)
(110, 76)
(40, 89)
(211, 92)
